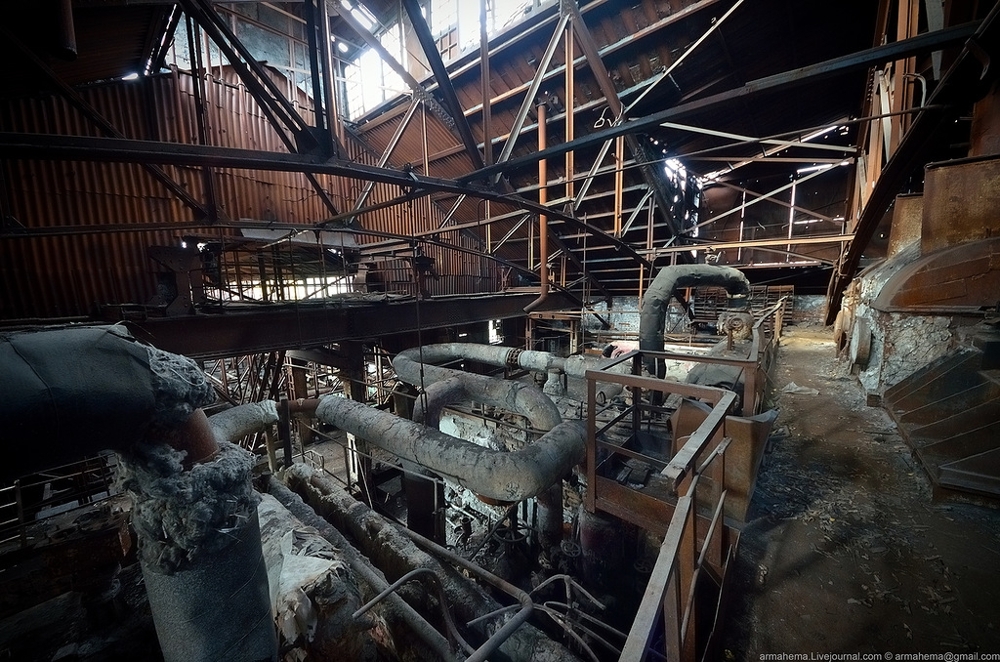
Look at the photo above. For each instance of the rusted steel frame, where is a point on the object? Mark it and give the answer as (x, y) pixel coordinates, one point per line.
(662, 595)
(529, 97)
(689, 622)
(708, 393)
(279, 112)
(571, 256)
(635, 212)
(754, 243)
(158, 53)
(198, 85)
(337, 8)
(590, 458)
(387, 153)
(311, 16)
(765, 197)
(102, 123)
(593, 56)
(445, 87)
(676, 63)
(247, 68)
(962, 83)
(83, 148)
(332, 139)
(484, 82)
(854, 61)
(569, 51)
(812, 213)
(750, 140)
(682, 463)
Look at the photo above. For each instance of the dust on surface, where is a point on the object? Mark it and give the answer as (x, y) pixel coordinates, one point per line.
(846, 549)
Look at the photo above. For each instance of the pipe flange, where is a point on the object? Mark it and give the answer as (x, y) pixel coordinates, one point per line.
(514, 357)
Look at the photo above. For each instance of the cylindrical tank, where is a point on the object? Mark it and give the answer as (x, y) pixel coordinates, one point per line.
(191, 603)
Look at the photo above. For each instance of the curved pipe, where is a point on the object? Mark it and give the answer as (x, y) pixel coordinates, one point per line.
(497, 475)
(233, 424)
(540, 411)
(653, 309)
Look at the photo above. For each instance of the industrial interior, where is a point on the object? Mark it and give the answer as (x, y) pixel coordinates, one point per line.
(499, 330)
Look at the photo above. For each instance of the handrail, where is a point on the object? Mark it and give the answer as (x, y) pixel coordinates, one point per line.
(671, 593)
(696, 541)
(97, 470)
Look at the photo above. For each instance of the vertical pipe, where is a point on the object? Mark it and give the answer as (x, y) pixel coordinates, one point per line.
(791, 221)
(570, 110)
(619, 182)
(543, 220)
(484, 63)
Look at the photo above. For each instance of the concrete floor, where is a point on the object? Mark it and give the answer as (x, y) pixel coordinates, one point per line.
(846, 550)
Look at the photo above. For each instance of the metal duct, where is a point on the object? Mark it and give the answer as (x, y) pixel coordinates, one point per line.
(408, 362)
(496, 475)
(653, 309)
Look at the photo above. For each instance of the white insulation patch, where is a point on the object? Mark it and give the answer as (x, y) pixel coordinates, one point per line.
(180, 514)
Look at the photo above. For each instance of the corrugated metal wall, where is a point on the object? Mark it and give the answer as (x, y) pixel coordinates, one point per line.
(76, 270)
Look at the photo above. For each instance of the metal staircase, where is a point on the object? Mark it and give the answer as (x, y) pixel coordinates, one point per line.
(949, 413)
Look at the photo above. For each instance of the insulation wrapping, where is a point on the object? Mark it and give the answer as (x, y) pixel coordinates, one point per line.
(216, 610)
(80, 390)
(497, 475)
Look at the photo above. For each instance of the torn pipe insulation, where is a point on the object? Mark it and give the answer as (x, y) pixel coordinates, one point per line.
(80, 390)
(233, 424)
(200, 553)
(541, 412)
(314, 592)
(493, 474)
(400, 616)
(391, 549)
(408, 364)
(656, 301)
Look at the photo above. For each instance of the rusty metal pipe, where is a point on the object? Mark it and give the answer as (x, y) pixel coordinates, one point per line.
(504, 633)
(543, 220)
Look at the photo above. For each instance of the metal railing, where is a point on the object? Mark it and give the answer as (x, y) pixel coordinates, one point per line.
(72, 485)
(696, 540)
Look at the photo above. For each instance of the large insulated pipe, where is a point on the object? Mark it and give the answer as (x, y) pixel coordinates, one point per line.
(502, 476)
(79, 390)
(655, 302)
(408, 362)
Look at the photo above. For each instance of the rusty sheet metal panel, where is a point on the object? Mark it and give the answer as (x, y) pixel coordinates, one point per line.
(80, 269)
(961, 202)
(952, 280)
(907, 218)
